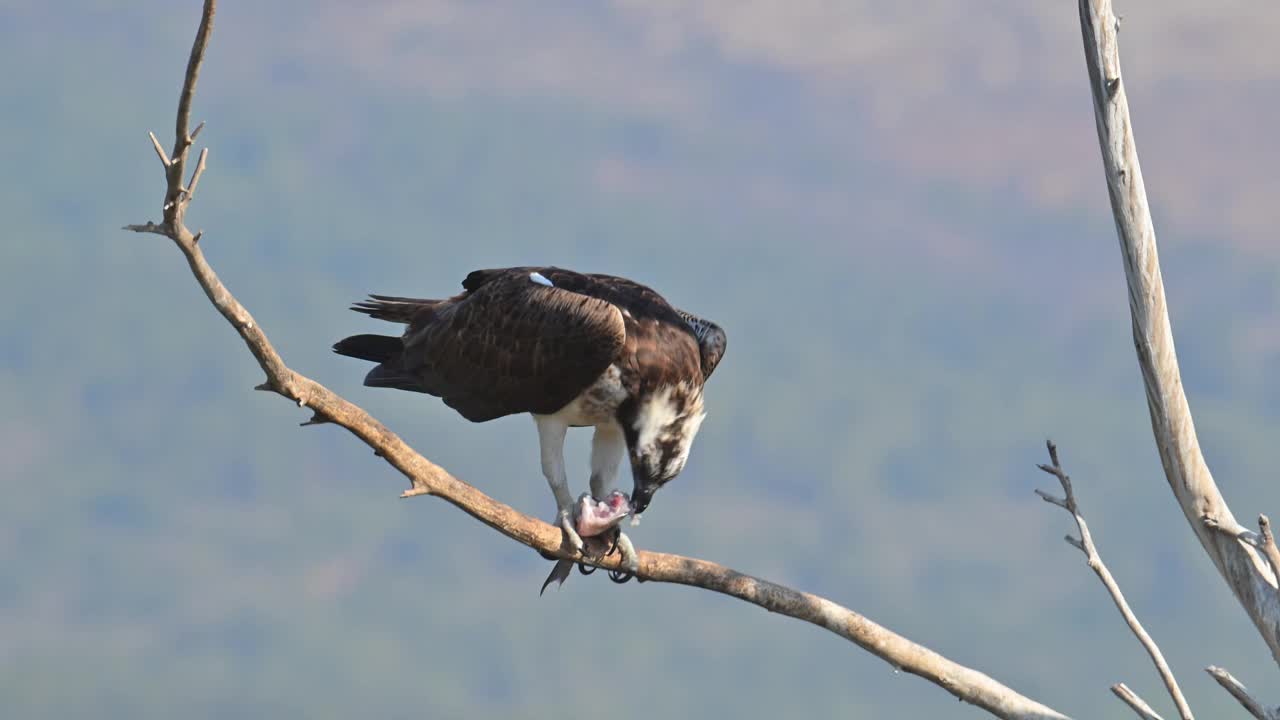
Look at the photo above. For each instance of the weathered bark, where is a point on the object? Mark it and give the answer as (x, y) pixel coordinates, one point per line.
(1241, 694)
(1230, 546)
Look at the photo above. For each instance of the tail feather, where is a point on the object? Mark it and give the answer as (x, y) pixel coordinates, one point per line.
(374, 348)
(392, 308)
(392, 376)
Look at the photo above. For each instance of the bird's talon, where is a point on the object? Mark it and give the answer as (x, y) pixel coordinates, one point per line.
(620, 576)
(571, 537)
(586, 569)
(630, 559)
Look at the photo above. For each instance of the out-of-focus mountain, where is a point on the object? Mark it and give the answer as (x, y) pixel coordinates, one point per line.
(895, 210)
(987, 96)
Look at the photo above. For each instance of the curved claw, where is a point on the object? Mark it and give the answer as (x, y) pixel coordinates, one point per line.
(586, 569)
(630, 559)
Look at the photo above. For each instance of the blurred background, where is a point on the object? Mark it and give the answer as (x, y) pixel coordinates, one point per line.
(896, 211)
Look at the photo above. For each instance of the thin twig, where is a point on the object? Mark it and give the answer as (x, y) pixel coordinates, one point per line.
(427, 478)
(1268, 545)
(178, 197)
(1238, 691)
(1131, 699)
(155, 142)
(182, 139)
(1085, 545)
(149, 227)
(316, 419)
(195, 175)
(1052, 499)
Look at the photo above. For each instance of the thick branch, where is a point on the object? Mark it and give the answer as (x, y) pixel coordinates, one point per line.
(427, 478)
(1085, 545)
(1238, 691)
(1247, 573)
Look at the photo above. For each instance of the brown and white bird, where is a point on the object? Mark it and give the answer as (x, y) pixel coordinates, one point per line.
(572, 350)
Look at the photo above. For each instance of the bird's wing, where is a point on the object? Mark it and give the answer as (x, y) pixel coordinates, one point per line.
(512, 344)
(711, 341)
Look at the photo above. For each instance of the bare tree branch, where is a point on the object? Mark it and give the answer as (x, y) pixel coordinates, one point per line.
(195, 175)
(1267, 544)
(181, 138)
(1238, 691)
(1131, 699)
(427, 478)
(1249, 575)
(160, 153)
(1085, 545)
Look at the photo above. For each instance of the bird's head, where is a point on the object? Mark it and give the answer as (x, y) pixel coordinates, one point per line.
(660, 428)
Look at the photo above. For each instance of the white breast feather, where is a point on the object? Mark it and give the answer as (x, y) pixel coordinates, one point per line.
(599, 402)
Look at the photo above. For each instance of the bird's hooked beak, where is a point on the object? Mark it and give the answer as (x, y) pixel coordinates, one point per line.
(640, 499)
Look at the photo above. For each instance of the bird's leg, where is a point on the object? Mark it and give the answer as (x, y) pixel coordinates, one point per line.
(564, 519)
(607, 448)
(551, 434)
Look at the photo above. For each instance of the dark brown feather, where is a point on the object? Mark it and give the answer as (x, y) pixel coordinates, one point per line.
(712, 341)
(640, 301)
(509, 344)
(394, 309)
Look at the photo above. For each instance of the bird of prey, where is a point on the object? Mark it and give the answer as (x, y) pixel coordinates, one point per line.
(571, 349)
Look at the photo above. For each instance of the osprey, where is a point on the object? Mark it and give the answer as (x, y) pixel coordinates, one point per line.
(572, 350)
